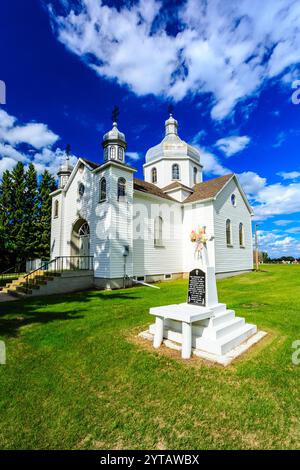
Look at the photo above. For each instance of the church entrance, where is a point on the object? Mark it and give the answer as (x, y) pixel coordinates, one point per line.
(80, 244)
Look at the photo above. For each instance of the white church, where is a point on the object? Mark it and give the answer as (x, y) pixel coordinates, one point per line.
(135, 229)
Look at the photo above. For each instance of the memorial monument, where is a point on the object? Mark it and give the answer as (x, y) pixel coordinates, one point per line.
(202, 326)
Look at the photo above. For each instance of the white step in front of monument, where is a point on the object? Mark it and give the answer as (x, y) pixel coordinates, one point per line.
(217, 336)
(224, 344)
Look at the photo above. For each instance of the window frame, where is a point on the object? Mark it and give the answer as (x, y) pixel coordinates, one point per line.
(195, 174)
(177, 166)
(154, 175)
(228, 232)
(158, 230)
(56, 209)
(81, 186)
(242, 235)
(121, 184)
(102, 180)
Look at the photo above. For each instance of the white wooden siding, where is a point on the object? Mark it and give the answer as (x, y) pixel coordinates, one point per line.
(233, 258)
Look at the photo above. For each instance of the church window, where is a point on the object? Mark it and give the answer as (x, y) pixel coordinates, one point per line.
(233, 200)
(175, 172)
(113, 153)
(241, 235)
(102, 190)
(228, 232)
(106, 154)
(195, 175)
(81, 189)
(84, 230)
(120, 153)
(56, 207)
(158, 231)
(121, 188)
(154, 175)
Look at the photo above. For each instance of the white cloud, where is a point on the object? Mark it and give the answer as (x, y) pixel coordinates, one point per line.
(36, 138)
(289, 175)
(251, 182)
(293, 230)
(35, 134)
(233, 144)
(278, 245)
(282, 223)
(280, 138)
(135, 156)
(228, 49)
(277, 199)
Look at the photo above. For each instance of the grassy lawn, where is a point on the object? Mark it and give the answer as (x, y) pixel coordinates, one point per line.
(77, 378)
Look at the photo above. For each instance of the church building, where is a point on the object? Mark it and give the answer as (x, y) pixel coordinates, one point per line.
(135, 229)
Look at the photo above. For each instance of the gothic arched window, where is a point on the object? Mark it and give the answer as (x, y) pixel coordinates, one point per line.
(56, 207)
(102, 190)
(195, 175)
(113, 152)
(228, 232)
(241, 235)
(121, 188)
(175, 172)
(154, 175)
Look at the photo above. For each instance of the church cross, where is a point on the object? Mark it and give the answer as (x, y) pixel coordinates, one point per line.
(115, 114)
(170, 109)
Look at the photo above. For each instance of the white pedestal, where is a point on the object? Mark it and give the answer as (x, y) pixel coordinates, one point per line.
(213, 333)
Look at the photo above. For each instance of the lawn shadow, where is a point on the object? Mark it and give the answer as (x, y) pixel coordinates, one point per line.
(14, 315)
(11, 326)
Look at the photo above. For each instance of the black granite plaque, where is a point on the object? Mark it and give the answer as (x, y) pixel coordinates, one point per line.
(196, 292)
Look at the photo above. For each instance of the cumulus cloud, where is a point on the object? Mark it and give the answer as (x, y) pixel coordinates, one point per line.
(135, 156)
(289, 175)
(251, 182)
(29, 142)
(35, 134)
(233, 144)
(226, 49)
(278, 244)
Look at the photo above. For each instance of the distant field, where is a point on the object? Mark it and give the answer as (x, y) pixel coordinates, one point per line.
(77, 378)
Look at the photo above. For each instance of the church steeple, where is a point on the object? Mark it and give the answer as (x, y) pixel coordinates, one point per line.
(65, 169)
(171, 125)
(114, 143)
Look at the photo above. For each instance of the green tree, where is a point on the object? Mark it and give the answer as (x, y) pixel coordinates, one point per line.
(17, 216)
(7, 247)
(46, 186)
(30, 220)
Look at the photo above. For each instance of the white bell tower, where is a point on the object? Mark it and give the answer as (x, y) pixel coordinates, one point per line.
(114, 143)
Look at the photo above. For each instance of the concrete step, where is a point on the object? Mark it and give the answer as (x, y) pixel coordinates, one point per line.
(228, 327)
(228, 342)
(20, 295)
(224, 317)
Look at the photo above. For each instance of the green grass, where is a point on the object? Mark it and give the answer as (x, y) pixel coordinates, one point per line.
(76, 377)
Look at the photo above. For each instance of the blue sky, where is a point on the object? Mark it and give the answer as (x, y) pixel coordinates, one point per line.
(228, 68)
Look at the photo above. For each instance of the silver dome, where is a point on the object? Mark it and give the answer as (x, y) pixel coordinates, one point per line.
(114, 135)
(172, 145)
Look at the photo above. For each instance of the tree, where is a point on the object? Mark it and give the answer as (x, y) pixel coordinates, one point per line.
(7, 246)
(25, 216)
(30, 220)
(47, 185)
